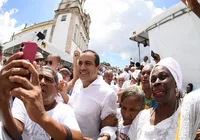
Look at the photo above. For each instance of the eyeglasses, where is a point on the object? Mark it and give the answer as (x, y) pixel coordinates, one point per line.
(49, 62)
(39, 60)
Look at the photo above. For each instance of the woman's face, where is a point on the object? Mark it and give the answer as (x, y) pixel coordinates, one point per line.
(145, 74)
(163, 84)
(130, 107)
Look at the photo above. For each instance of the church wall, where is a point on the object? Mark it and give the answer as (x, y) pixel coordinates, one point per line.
(61, 31)
(34, 30)
(80, 40)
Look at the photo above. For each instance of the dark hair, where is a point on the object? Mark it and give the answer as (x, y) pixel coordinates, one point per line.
(137, 64)
(97, 59)
(191, 86)
(53, 71)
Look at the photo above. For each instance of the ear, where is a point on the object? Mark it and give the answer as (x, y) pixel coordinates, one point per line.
(98, 67)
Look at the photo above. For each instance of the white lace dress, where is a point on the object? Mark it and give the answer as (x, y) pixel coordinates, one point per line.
(141, 129)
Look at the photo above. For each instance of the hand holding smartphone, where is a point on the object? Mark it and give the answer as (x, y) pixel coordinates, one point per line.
(29, 50)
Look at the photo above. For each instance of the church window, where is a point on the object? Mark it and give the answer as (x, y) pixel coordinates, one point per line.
(64, 17)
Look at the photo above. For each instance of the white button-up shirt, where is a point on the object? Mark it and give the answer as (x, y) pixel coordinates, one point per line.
(91, 105)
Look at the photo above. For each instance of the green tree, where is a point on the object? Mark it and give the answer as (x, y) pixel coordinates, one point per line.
(105, 63)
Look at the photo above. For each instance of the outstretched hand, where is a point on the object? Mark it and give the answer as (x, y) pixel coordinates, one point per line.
(62, 86)
(29, 92)
(11, 68)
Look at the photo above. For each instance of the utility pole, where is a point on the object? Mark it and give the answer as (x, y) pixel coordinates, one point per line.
(139, 51)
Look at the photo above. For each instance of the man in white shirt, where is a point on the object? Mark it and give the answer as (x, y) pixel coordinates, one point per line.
(126, 73)
(93, 99)
(35, 112)
(108, 77)
(145, 61)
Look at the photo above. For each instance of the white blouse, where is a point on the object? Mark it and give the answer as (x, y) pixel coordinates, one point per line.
(189, 110)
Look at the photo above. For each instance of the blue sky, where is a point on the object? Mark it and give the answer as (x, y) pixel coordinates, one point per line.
(35, 11)
(32, 11)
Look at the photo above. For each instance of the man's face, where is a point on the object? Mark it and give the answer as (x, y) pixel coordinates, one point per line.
(145, 74)
(39, 60)
(65, 75)
(53, 62)
(145, 59)
(87, 68)
(120, 81)
(108, 76)
(48, 85)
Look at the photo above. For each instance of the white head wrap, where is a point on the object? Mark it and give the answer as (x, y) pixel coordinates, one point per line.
(174, 68)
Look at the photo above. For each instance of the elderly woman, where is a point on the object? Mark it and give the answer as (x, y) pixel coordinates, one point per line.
(131, 103)
(172, 119)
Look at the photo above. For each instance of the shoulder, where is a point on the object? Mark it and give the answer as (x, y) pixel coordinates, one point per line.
(193, 97)
(143, 114)
(78, 83)
(142, 118)
(18, 105)
(137, 124)
(61, 107)
(61, 111)
(105, 88)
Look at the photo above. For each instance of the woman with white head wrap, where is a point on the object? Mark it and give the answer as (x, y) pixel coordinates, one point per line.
(171, 119)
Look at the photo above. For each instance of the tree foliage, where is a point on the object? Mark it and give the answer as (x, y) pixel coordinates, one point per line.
(105, 63)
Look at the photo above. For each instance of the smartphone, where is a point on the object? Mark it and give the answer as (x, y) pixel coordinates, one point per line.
(29, 50)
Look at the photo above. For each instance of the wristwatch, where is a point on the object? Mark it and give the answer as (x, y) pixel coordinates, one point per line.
(105, 135)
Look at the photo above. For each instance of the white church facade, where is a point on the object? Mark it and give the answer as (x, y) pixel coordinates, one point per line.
(68, 31)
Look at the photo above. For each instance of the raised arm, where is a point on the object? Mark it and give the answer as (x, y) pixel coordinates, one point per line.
(64, 86)
(75, 70)
(13, 127)
(30, 94)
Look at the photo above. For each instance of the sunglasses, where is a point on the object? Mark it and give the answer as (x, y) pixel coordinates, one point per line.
(39, 60)
(49, 62)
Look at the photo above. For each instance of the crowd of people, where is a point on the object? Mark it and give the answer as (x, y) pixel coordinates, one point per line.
(46, 101)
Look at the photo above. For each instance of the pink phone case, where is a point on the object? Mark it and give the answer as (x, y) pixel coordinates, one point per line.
(29, 51)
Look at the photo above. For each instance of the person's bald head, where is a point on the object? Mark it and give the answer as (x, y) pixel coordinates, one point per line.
(108, 76)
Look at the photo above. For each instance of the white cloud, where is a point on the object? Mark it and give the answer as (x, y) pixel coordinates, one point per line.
(7, 23)
(113, 22)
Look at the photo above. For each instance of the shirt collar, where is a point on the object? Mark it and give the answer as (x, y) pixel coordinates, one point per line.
(96, 82)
